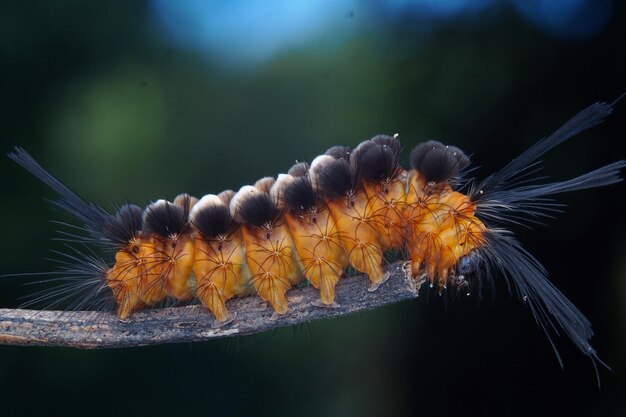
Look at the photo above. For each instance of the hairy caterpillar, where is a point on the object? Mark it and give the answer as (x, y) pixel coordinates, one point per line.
(347, 209)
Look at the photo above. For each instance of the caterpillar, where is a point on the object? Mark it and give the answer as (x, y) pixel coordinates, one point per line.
(346, 210)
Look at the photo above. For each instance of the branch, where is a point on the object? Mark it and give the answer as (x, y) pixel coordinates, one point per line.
(94, 330)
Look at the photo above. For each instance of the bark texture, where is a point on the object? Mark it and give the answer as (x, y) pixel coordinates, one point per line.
(95, 330)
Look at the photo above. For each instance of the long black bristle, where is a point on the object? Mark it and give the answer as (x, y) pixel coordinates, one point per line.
(80, 283)
(523, 204)
(601, 177)
(512, 195)
(91, 215)
(526, 163)
(550, 308)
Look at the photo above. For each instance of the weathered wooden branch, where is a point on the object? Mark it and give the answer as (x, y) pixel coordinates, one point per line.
(94, 330)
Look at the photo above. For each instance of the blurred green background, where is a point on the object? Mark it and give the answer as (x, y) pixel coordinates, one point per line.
(134, 101)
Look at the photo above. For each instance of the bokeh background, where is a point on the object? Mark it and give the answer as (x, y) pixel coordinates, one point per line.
(134, 101)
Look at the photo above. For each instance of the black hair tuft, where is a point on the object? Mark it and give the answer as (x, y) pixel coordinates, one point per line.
(214, 220)
(419, 152)
(265, 184)
(165, 219)
(392, 141)
(339, 152)
(460, 156)
(376, 160)
(125, 225)
(437, 162)
(299, 194)
(226, 196)
(258, 210)
(335, 178)
(299, 170)
(437, 166)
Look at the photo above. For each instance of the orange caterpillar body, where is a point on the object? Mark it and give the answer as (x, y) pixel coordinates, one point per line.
(347, 209)
(443, 228)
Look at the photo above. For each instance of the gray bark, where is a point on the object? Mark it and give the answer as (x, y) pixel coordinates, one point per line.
(94, 330)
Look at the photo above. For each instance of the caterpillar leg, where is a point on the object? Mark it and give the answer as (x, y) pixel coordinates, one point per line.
(126, 297)
(323, 262)
(436, 253)
(367, 257)
(213, 299)
(125, 293)
(273, 289)
(273, 267)
(326, 283)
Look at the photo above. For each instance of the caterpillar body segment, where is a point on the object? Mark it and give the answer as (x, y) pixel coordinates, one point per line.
(348, 208)
(270, 251)
(156, 262)
(168, 231)
(132, 279)
(315, 233)
(376, 164)
(220, 266)
(387, 200)
(354, 215)
(442, 221)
